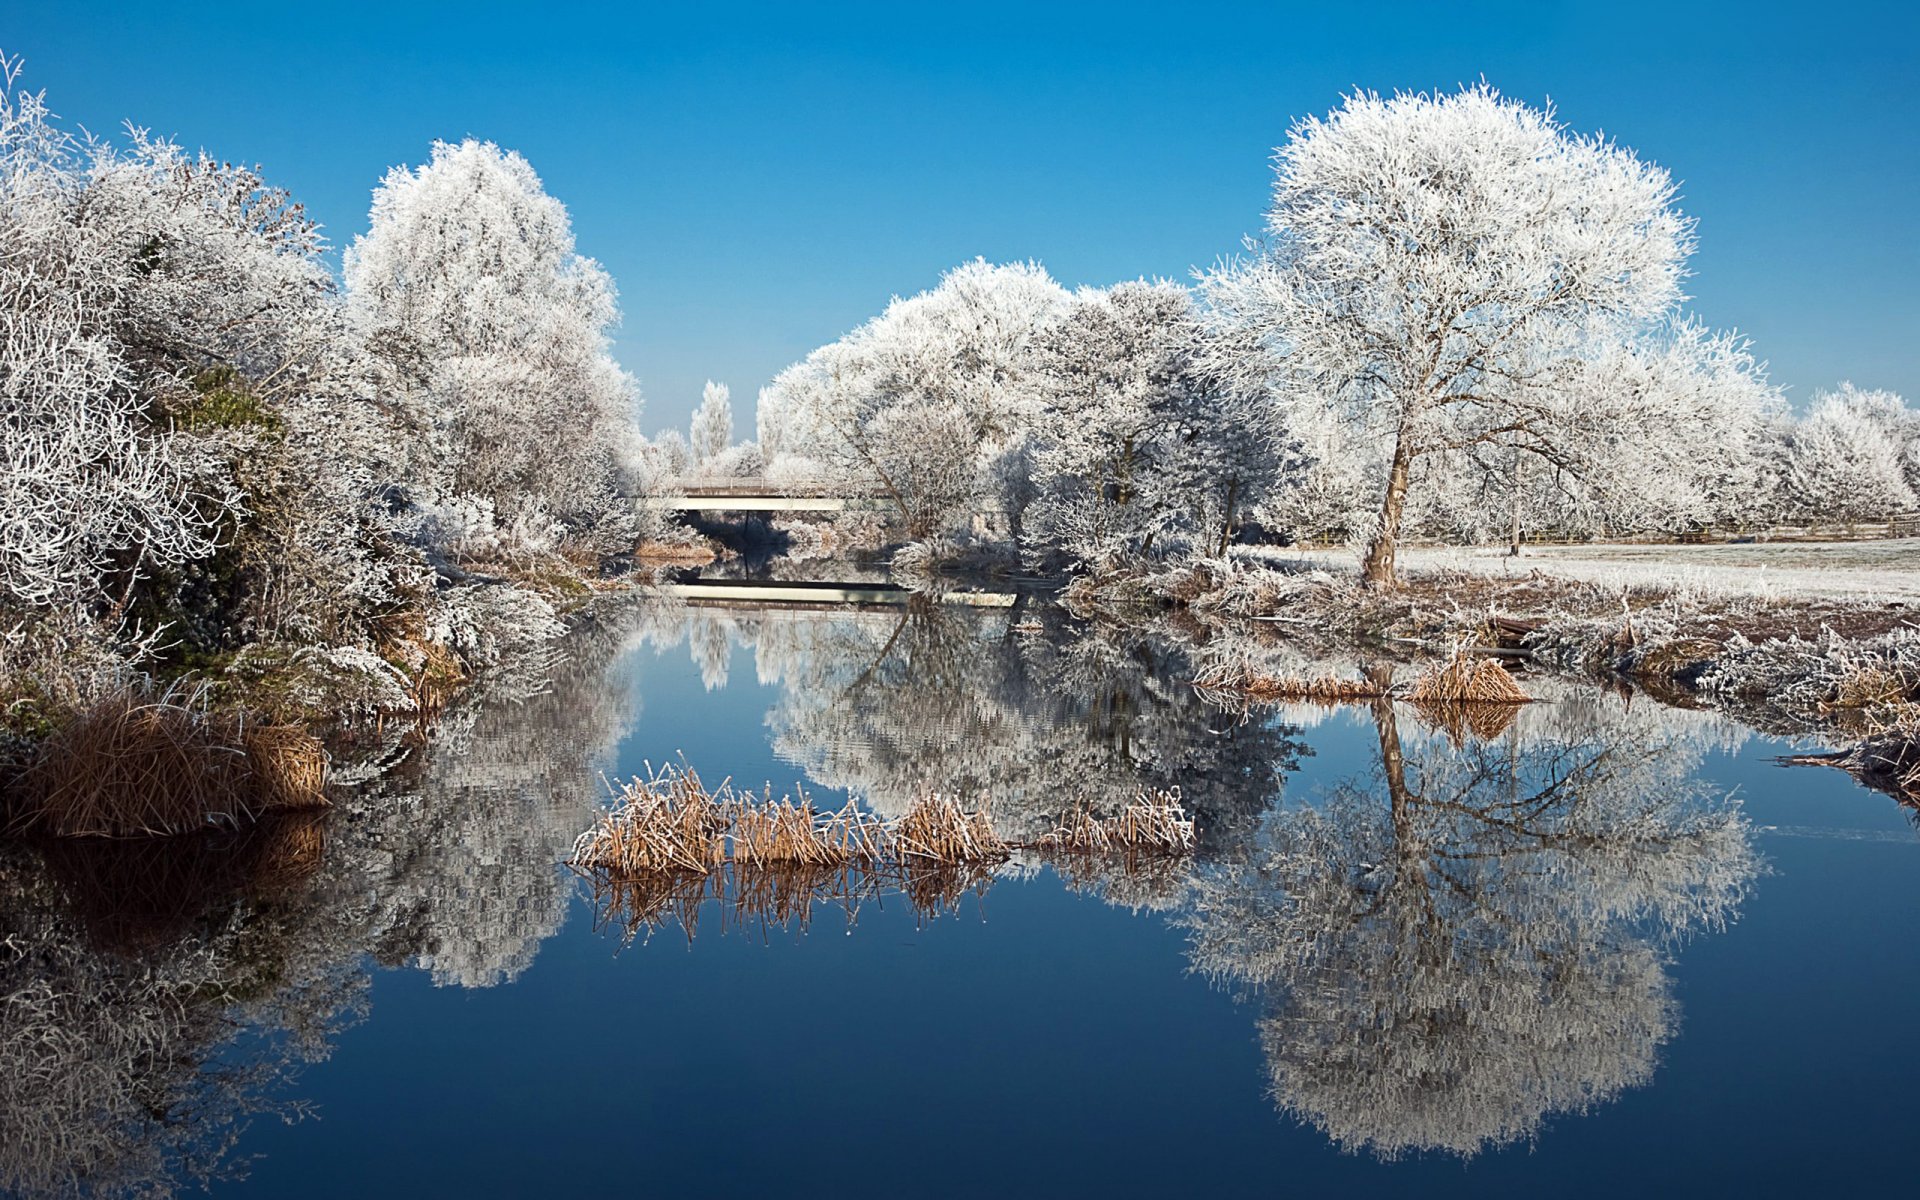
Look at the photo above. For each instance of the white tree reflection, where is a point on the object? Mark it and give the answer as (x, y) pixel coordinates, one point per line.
(1477, 938)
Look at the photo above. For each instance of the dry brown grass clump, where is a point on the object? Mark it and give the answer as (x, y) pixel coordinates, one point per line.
(647, 550)
(1154, 823)
(1256, 686)
(936, 829)
(670, 844)
(1882, 690)
(1469, 679)
(666, 822)
(783, 832)
(134, 766)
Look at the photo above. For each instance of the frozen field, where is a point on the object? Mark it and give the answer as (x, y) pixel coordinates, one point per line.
(1886, 570)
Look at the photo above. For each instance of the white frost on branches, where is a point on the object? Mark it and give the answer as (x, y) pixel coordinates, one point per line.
(496, 332)
(1441, 275)
(712, 429)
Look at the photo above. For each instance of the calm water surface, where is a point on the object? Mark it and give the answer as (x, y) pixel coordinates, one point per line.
(1603, 947)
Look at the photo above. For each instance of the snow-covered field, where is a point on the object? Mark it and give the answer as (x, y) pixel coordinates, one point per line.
(1868, 571)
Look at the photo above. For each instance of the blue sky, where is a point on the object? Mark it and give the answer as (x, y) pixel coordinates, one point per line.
(759, 179)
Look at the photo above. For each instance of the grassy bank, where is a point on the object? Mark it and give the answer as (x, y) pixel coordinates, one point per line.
(1842, 668)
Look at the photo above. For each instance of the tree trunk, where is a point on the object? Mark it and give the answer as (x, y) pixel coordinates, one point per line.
(1378, 571)
(1226, 524)
(1513, 541)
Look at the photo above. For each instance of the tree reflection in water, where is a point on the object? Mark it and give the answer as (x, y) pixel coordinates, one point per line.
(154, 997)
(1477, 938)
(1031, 718)
(1474, 940)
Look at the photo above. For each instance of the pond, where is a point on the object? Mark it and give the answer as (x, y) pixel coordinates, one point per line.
(1589, 946)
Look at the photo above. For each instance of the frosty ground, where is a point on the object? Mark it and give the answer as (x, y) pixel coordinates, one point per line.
(1868, 572)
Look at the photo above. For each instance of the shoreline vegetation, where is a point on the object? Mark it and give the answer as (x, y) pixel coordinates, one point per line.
(1846, 671)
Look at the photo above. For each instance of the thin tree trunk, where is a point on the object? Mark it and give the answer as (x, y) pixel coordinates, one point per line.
(1378, 569)
(1226, 524)
(1513, 541)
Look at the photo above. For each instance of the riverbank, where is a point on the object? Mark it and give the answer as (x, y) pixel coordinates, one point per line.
(1838, 664)
(119, 739)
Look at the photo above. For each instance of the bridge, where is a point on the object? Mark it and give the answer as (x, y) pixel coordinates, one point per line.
(756, 495)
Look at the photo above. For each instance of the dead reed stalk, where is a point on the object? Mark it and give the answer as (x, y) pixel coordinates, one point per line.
(137, 766)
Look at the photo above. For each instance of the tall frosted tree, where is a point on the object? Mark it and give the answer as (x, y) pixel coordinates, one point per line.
(712, 430)
(496, 331)
(1438, 271)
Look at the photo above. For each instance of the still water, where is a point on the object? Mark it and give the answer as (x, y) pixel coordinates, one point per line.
(1602, 947)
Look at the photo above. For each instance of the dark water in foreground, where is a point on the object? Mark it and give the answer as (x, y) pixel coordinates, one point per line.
(1414, 955)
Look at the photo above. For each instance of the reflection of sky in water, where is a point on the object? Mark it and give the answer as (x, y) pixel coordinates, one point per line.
(1043, 1041)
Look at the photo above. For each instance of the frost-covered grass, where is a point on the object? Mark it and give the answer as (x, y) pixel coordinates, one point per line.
(1815, 639)
(1874, 572)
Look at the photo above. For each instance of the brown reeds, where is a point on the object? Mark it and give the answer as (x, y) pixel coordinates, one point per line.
(1467, 678)
(1259, 687)
(669, 844)
(938, 830)
(1154, 823)
(136, 766)
(664, 823)
(783, 832)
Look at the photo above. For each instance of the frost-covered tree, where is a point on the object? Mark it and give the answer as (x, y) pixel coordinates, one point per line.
(712, 429)
(90, 486)
(1438, 273)
(742, 460)
(1134, 441)
(927, 398)
(1855, 456)
(670, 454)
(1689, 443)
(496, 332)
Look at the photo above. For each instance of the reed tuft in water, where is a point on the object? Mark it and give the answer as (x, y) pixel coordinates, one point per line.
(1467, 678)
(1154, 823)
(938, 830)
(669, 843)
(1246, 683)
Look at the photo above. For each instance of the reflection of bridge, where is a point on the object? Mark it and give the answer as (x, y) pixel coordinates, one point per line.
(756, 495)
(805, 594)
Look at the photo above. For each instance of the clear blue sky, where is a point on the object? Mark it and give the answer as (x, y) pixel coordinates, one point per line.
(761, 178)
